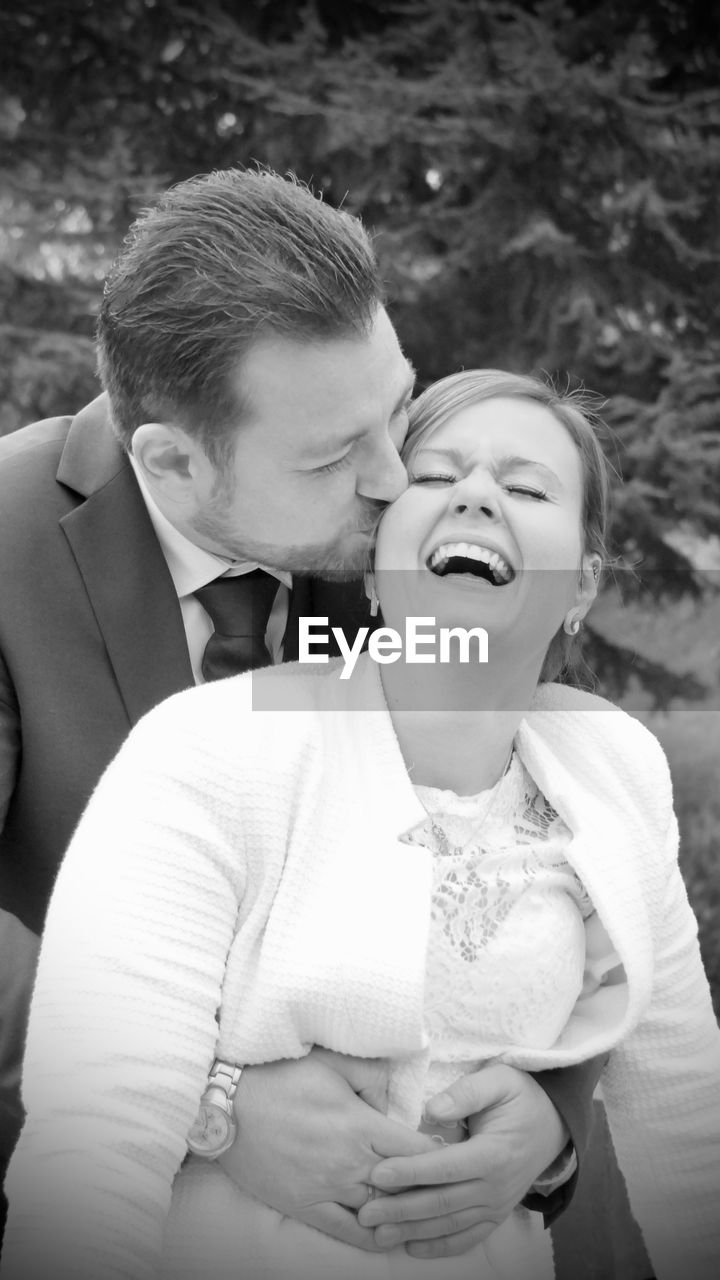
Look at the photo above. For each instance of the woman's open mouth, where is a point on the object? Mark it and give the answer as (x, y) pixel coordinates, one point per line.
(469, 558)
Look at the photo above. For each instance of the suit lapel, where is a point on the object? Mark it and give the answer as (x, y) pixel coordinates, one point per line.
(127, 580)
(122, 565)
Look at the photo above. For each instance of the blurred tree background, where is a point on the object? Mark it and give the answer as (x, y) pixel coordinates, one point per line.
(542, 181)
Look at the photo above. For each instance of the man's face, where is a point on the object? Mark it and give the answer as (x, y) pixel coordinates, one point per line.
(317, 453)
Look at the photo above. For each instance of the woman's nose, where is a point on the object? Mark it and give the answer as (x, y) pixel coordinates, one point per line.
(475, 496)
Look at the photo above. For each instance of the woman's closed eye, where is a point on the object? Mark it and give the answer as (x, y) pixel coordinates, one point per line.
(528, 491)
(438, 477)
(432, 477)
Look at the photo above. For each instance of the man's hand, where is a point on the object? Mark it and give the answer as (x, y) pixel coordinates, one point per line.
(310, 1133)
(449, 1200)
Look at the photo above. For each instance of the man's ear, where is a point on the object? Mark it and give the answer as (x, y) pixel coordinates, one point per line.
(171, 461)
(588, 584)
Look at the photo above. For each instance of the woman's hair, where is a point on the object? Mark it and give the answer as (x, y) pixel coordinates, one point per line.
(574, 411)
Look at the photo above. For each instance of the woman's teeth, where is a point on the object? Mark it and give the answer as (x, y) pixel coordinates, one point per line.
(440, 561)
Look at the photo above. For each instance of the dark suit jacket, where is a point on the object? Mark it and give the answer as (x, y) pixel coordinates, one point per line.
(91, 634)
(91, 637)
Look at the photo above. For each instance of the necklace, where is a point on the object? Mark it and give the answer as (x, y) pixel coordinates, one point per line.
(432, 830)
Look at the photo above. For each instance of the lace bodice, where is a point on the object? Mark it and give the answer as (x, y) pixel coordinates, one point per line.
(507, 944)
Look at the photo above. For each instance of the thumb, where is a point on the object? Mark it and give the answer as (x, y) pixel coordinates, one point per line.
(388, 1138)
(367, 1077)
(479, 1091)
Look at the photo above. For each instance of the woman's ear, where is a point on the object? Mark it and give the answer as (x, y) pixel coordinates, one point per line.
(588, 583)
(371, 593)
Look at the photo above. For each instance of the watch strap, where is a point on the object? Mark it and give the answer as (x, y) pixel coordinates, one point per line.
(224, 1076)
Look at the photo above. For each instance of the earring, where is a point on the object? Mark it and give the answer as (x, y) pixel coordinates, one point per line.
(572, 624)
(371, 594)
(596, 571)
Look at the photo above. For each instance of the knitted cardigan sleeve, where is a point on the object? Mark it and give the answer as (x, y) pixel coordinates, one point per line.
(662, 1092)
(123, 1027)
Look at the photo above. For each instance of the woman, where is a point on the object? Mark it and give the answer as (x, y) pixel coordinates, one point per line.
(441, 864)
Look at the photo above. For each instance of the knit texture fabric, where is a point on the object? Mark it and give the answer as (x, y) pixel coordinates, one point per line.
(251, 864)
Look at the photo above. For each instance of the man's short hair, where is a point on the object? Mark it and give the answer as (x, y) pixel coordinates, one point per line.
(221, 261)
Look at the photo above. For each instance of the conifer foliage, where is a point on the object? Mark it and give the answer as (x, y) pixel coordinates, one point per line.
(541, 178)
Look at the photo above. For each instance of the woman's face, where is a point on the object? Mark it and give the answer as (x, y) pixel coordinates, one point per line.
(489, 532)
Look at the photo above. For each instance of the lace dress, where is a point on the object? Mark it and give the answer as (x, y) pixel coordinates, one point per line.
(507, 932)
(505, 967)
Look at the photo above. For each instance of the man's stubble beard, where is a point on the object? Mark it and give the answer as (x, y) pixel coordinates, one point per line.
(346, 557)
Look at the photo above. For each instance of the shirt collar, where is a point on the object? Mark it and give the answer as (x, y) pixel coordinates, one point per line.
(191, 567)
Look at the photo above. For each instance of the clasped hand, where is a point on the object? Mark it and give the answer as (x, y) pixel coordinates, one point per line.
(313, 1137)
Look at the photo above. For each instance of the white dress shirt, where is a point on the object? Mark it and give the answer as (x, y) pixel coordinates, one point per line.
(191, 567)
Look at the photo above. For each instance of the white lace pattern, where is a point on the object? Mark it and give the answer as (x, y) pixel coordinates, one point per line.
(507, 945)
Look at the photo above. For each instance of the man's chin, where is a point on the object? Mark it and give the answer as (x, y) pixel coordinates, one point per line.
(344, 562)
(327, 574)
(331, 568)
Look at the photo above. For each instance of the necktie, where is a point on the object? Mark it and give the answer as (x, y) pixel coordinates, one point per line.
(239, 609)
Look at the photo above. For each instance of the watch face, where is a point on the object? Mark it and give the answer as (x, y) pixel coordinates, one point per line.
(211, 1131)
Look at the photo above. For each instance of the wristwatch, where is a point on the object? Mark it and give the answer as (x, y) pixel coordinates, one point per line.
(215, 1127)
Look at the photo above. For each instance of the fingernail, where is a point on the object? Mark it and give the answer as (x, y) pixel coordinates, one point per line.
(384, 1178)
(442, 1105)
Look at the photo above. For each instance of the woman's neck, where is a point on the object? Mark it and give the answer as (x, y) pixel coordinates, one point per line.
(455, 724)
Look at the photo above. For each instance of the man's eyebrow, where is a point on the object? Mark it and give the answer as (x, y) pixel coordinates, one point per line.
(346, 441)
(337, 447)
(408, 386)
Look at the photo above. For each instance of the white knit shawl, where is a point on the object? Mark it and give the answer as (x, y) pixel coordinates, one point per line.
(223, 844)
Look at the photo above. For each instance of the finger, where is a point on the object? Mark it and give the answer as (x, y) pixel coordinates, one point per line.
(450, 1246)
(388, 1138)
(435, 1202)
(460, 1162)
(451, 1224)
(367, 1077)
(356, 1196)
(341, 1224)
(475, 1092)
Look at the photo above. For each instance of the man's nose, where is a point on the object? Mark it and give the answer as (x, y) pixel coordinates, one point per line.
(384, 476)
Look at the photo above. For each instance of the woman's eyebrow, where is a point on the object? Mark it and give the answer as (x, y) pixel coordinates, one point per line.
(508, 462)
(448, 455)
(513, 461)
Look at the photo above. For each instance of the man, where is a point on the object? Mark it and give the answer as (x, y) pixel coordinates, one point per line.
(256, 398)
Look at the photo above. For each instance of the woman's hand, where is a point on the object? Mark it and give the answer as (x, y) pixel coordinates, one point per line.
(447, 1201)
